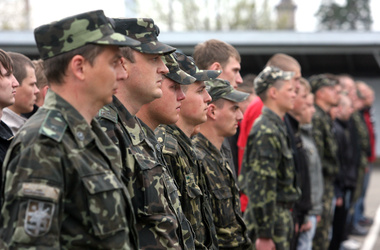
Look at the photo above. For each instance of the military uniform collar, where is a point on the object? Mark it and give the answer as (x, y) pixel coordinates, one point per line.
(130, 122)
(78, 126)
(274, 118)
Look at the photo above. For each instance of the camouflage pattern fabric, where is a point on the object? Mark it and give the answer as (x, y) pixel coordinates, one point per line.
(219, 88)
(187, 64)
(364, 146)
(267, 178)
(319, 81)
(63, 187)
(230, 228)
(175, 73)
(325, 141)
(76, 31)
(145, 31)
(327, 149)
(185, 231)
(183, 163)
(156, 221)
(269, 76)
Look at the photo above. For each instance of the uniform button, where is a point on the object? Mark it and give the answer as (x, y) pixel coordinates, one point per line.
(80, 136)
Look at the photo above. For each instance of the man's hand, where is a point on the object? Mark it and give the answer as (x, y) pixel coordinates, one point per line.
(306, 226)
(265, 244)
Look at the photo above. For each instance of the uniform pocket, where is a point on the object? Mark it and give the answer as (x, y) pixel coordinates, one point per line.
(223, 207)
(105, 203)
(192, 188)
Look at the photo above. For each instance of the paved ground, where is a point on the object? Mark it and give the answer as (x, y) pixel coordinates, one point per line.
(372, 204)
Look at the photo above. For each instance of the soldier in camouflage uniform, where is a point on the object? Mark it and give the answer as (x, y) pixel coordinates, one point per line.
(326, 96)
(181, 157)
(165, 110)
(268, 172)
(223, 116)
(143, 174)
(63, 187)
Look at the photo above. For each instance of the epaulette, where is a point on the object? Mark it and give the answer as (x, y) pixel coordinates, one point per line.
(108, 113)
(170, 144)
(54, 125)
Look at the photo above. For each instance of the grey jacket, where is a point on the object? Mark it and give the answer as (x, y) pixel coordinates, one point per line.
(315, 169)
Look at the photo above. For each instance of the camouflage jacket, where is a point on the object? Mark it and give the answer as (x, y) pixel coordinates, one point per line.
(143, 175)
(268, 173)
(230, 227)
(182, 161)
(185, 231)
(63, 187)
(326, 143)
(363, 136)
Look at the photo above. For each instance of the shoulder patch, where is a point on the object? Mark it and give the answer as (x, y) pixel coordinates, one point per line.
(108, 113)
(54, 126)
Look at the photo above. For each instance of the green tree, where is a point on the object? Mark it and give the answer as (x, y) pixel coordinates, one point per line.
(354, 15)
(208, 15)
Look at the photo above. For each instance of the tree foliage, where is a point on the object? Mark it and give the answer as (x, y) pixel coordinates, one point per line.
(354, 15)
(208, 15)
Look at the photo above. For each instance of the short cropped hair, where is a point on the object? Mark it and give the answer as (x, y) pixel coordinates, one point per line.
(6, 62)
(247, 86)
(283, 62)
(40, 74)
(304, 82)
(127, 53)
(20, 62)
(56, 67)
(208, 52)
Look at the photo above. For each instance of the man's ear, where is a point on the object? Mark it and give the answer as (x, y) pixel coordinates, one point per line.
(215, 66)
(211, 112)
(272, 92)
(78, 66)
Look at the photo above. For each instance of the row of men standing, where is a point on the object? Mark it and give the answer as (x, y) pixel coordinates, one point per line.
(96, 166)
(178, 178)
(329, 161)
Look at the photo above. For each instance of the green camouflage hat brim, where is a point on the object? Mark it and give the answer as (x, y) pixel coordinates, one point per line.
(219, 88)
(145, 31)
(269, 76)
(175, 73)
(319, 81)
(187, 64)
(76, 31)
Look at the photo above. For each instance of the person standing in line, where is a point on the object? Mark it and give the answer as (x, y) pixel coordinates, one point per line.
(283, 62)
(26, 94)
(223, 116)
(326, 96)
(268, 172)
(8, 86)
(143, 175)
(305, 239)
(165, 110)
(180, 154)
(63, 187)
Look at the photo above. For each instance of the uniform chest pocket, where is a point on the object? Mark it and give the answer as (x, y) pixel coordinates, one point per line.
(193, 190)
(223, 207)
(148, 186)
(106, 203)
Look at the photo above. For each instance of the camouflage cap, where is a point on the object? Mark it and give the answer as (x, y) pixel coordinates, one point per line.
(219, 88)
(145, 31)
(175, 73)
(269, 76)
(187, 64)
(76, 31)
(319, 81)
